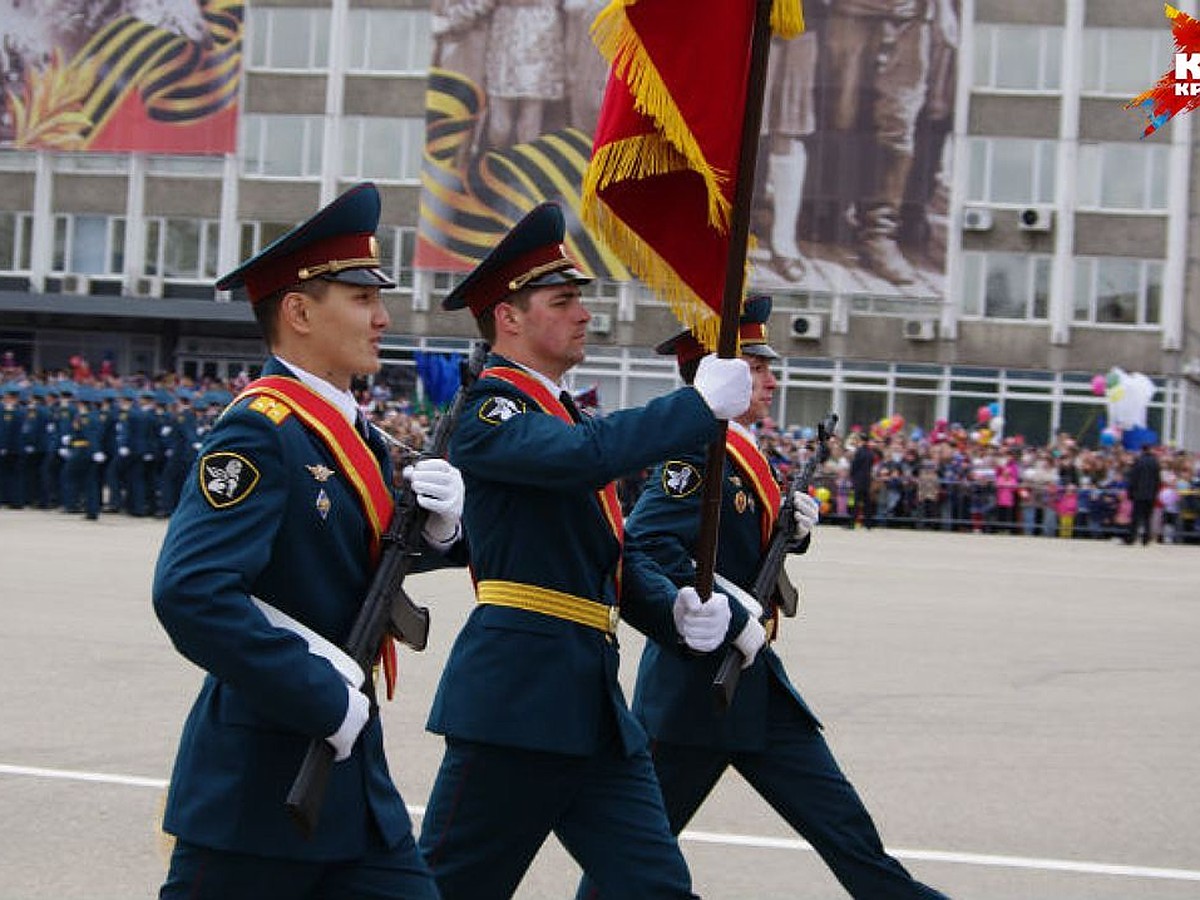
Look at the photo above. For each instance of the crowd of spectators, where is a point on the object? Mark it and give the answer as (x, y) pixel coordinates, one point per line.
(951, 478)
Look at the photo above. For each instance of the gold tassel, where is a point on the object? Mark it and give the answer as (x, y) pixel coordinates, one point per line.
(787, 18)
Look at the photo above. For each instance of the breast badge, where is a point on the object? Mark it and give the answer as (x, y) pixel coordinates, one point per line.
(226, 479)
(323, 504)
(320, 472)
(497, 410)
(679, 478)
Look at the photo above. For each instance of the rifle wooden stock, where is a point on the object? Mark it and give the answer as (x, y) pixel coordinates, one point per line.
(387, 607)
(772, 588)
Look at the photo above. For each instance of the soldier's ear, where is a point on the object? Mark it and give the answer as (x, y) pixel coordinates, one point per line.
(293, 311)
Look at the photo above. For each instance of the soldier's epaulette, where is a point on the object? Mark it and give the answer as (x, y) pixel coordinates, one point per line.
(270, 407)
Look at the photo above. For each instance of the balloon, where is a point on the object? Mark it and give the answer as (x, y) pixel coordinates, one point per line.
(985, 435)
(994, 408)
(983, 414)
(1113, 377)
(1107, 438)
(916, 434)
(1098, 385)
(996, 424)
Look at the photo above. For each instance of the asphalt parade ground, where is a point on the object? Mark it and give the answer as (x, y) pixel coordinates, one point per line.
(1021, 715)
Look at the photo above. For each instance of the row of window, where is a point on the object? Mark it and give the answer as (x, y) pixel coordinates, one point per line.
(1109, 290)
(178, 249)
(1109, 176)
(391, 41)
(1116, 62)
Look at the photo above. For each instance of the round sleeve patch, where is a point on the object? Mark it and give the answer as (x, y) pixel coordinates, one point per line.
(679, 479)
(226, 479)
(497, 410)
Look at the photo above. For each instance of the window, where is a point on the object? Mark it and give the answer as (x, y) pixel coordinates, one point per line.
(281, 146)
(1010, 170)
(289, 39)
(1006, 285)
(89, 245)
(388, 40)
(382, 149)
(1123, 176)
(1021, 58)
(207, 166)
(16, 236)
(1123, 62)
(396, 248)
(182, 249)
(1115, 290)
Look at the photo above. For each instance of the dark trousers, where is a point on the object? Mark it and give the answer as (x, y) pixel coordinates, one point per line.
(201, 873)
(1140, 521)
(798, 776)
(493, 807)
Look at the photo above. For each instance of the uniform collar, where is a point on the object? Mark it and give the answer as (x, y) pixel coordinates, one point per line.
(343, 400)
(744, 431)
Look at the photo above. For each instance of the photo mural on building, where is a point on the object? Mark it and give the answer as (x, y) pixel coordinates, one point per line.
(852, 177)
(155, 76)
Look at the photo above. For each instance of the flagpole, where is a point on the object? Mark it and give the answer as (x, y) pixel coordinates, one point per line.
(735, 274)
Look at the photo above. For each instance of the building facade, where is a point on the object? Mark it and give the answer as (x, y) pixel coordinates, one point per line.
(1070, 244)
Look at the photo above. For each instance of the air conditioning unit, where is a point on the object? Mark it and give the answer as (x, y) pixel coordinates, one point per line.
(76, 284)
(1036, 218)
(601, 323)
(807, 327)
(148, 286)
(919, 329)
(976, 218)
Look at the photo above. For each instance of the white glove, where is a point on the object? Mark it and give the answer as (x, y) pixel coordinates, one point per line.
(439, 489)
(750, 641)
(808, 513)
(64, 452)
(165, 430)
(357, 710)
(99, 457)
(122, 451)
(701, 624)
(725, 385)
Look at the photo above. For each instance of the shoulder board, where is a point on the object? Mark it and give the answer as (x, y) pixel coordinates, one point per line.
(269, 407)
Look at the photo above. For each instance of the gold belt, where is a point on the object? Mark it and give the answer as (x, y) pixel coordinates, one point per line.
(549, 602)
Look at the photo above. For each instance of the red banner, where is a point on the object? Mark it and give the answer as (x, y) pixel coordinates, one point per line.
(660, 184)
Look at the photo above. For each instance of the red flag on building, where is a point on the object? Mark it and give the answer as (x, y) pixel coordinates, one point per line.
(660, 184)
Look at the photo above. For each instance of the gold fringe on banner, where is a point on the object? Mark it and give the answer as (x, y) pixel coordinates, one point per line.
(787, 18)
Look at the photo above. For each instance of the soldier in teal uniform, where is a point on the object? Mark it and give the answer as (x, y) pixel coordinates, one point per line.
(178, 432)
(83, 461)
(768, 735)
(144, 440)
(264, 568)
(12, 417)
(33, 445)
(539, 738)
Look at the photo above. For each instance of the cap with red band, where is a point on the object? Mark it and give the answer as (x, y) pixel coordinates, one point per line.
(532, 254)
(337, 243)
(752, 335)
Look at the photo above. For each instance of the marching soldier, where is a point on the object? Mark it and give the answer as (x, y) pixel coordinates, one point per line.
(178, 435)
(264, 569)
(146, 451)
(12, 416)
(84, 457)
(538, 736)
(769, 734)
(33, 445)
(119, 447)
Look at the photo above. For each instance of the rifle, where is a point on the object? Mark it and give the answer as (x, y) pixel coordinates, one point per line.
(387, 607)
(772, 587)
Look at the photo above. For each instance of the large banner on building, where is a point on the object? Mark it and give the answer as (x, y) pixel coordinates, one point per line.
(852, 183)
(155, 76)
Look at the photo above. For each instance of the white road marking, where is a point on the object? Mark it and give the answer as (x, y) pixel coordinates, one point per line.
(730, 840)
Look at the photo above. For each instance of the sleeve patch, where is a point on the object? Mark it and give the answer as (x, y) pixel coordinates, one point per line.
(226, 479)
(497, 410)
(271, 408)
(679, 479)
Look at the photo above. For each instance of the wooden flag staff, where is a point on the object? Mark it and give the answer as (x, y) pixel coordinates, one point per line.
(735, 275)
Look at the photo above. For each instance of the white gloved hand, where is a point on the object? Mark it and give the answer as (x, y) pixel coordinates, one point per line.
(701, 624)
(750, 641)
(725, 385)
(808, 513)
(123, 451)
(99, 456)
(64, 452)
(357, 710)
(439, 489)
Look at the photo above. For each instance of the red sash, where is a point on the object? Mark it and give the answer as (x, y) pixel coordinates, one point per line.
(535, 389)
(358, 463)
(755, 468)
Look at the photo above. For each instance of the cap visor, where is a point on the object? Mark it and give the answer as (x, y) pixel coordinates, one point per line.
(562, 276)
(763, 350)
(366, 277)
